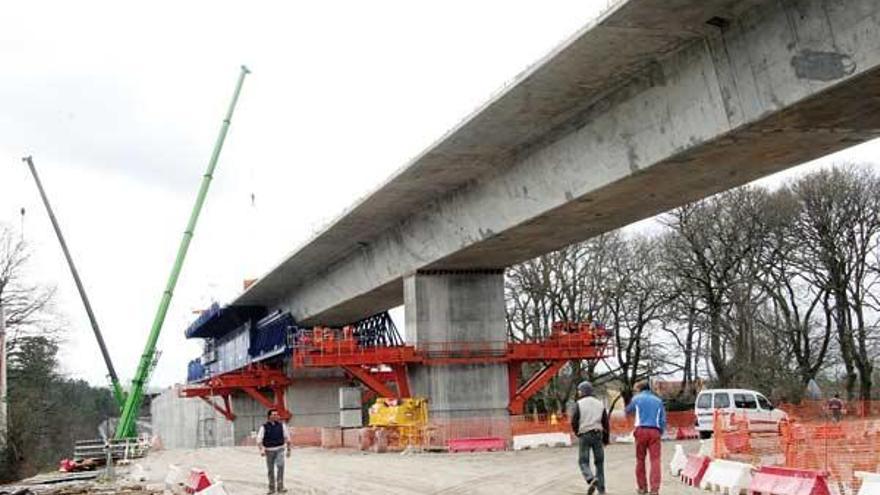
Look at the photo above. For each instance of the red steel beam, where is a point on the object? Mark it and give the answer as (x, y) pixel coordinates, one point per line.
(277, 404)
(535, 383)
(226, 412)
(402, 380)
(371, 381)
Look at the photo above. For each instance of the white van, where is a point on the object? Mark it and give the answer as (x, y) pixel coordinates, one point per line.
(760, 412)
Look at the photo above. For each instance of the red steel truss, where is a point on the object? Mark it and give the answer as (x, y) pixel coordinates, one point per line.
(383, 369)
(376, 367)
(250, 380)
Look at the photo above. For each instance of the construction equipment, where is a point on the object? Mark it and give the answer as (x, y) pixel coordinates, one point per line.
(118, 394)
(378, 366)
(126, 427)
(401, 422)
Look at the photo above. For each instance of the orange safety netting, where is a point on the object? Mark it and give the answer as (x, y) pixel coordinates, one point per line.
(440, 431)
(622, 425)
(539, 423)
(819, 410)
(839, 448)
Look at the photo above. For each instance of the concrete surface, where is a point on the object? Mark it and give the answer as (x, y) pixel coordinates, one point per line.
(188, 423)
(657, 103)
(457, 307)
(312, 399)
(317, 472)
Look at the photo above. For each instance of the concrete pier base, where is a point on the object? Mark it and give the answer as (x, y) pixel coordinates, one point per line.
(462, 309)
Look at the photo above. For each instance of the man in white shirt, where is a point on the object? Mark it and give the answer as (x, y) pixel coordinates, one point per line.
(272, 439)
(589, 421)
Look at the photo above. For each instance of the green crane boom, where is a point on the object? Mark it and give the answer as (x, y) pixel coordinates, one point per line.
(118, 394)
(127, 420)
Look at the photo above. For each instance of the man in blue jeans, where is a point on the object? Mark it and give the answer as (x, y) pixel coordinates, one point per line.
(272, 439)
(650, 424)
(589, 421)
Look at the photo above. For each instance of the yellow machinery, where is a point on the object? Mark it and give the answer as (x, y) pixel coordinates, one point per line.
(403, 422)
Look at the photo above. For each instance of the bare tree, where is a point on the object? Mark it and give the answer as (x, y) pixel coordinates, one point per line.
(25, 304)
(636, 297)
(839, 226)
(796, 308)
(561, 286)
(713, 249)
(683, 322)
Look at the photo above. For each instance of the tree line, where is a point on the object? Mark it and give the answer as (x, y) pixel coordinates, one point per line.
(47, 412)
(754, 287)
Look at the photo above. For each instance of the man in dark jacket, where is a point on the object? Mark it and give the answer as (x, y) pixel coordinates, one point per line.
(589, 421)
(272, 439)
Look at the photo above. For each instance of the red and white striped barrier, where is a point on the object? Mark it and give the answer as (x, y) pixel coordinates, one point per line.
(693, 471)
(770, 480)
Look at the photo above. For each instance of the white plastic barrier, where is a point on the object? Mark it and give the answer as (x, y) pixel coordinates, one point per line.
(870, 483)
(679, 461)
(521, 442)
(727, 477)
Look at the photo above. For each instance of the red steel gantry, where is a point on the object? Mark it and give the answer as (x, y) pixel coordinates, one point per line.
(248, 380)
(377, 366)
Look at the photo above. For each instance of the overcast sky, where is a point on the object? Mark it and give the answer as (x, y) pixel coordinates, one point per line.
(120, 106)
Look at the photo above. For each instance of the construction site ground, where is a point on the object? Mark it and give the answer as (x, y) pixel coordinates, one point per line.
(318, 471)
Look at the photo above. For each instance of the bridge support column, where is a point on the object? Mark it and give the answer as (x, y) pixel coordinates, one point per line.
(464, 309)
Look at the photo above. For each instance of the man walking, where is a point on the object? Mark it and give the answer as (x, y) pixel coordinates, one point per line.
(650, 424)
(589, 421)
(272, 438)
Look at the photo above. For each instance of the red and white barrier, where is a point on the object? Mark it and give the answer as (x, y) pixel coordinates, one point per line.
(727, 477)
(535, 440)
(215, 489)
(693, 471)
(678, 462)
(198, 481)
(771, 480)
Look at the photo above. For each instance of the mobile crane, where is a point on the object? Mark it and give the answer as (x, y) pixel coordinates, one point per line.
(131, 402)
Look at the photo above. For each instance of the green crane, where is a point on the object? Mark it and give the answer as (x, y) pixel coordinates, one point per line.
(118, 394)
(127, 420)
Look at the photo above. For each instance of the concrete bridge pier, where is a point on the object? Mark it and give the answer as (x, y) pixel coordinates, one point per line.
(464, 308)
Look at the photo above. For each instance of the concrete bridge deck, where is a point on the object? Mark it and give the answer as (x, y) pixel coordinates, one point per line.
(656, 103)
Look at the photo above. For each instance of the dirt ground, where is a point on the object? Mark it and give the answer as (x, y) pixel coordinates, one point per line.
(316, 471)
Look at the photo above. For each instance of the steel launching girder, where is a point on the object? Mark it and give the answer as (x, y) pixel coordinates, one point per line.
(250, 380)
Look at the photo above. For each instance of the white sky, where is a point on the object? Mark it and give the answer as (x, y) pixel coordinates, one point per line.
(120, 105)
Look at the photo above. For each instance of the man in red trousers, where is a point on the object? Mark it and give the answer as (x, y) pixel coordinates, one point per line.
(650, 424)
